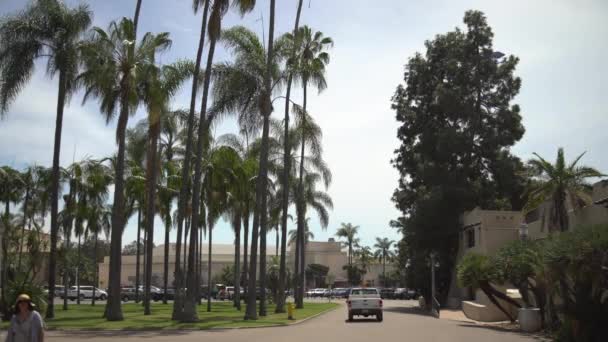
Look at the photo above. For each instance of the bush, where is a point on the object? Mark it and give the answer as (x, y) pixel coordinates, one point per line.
(577, 269)
(22, 284)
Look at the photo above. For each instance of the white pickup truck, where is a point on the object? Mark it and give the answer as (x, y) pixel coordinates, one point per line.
(364, 302)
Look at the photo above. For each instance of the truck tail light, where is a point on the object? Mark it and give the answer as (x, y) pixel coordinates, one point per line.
(380, 303)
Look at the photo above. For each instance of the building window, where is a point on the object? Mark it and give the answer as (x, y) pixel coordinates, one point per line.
(471, 238)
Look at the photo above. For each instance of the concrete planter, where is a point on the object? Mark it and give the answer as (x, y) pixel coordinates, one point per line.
(529, 319)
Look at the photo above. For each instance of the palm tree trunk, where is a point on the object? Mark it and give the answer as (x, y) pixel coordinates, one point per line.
(200, 268)
(151, 175)
(6, 314)
(209, 268)
(136, 18)
(285, 182)
(186, 236)
(166, 261)
(301, 211)
(137, 262)
(78, 273)
(113, 306)
(237, 262)
(183, 193)
(296, 273)
(50, 312)
(25, 204)
(96, 270)
(277, 242)
(245, 245)
(189, 305)
(262, 189)
(66, 282)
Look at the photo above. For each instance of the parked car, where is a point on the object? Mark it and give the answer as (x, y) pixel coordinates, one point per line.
(387, 293)
(341, 292)
(86, 292)
(226, 293)
(400, 293)
(364, 302)
(412, 294)
(128, 294)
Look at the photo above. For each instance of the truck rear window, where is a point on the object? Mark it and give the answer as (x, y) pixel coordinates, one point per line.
(359, 292)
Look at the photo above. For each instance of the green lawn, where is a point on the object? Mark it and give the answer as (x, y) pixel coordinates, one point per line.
(222, 315)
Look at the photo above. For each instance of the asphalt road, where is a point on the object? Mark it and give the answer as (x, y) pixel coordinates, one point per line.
(402, 322)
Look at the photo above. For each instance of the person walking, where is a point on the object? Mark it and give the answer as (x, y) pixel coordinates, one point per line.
(26, 325)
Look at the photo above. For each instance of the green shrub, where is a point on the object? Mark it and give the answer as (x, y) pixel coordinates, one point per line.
(23, 285)
(577, 269)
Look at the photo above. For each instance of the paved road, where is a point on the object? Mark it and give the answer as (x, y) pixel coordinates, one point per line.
(402, 322)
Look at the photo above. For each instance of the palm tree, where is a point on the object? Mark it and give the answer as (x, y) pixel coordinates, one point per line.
(170, 125)
(10, 189)
(45, 29)
(348, 232)
(218, 10)
(249, 161)
(364, 257)
(293, 234)
(113, 61)
(383, 252)
(280, 308)
(312, 59)
(185, 176)
(564, 185)
(159, 85)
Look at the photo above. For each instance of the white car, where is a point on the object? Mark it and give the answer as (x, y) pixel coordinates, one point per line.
(364, 302)
(86, 292)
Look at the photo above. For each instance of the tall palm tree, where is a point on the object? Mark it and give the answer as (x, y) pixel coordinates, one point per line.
(383, 252)
(563, 185)
(159, 85)
(169, 144)
(218, 10)
(113, 61)
(280, 308)
(185, 175)
(45, 29)
(312, 59)
(307, 133)
(348, 231)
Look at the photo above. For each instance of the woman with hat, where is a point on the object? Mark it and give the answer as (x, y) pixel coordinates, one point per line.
(26, 324)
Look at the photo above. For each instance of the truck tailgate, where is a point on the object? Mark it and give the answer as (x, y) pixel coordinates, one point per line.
(365, 303)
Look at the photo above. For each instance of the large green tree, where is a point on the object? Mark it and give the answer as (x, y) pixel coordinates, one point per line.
(45, 29)
(457, 124)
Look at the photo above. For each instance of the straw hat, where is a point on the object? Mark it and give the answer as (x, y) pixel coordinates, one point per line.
(23, 298)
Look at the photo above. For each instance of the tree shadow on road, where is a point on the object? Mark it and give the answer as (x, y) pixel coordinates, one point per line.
(408, 310)
(506, 329)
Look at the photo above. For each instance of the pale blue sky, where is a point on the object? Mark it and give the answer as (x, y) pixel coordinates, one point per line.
(561, 44)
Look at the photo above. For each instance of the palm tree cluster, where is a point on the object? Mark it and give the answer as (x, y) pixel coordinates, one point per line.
(170, 165)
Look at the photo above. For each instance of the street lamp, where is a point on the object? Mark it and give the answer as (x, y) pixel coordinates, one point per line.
(523, 231)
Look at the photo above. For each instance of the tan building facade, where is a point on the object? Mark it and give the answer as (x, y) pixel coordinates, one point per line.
(486, 231)
(328, 253)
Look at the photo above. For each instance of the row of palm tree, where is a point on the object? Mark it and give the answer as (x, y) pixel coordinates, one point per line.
(120, 71)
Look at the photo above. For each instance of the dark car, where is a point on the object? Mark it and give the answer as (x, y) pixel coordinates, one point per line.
(411, 294)
(128, 294)
(387, 293)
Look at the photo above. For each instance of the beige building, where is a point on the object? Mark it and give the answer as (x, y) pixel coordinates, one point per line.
(486, 231)
(330, 254)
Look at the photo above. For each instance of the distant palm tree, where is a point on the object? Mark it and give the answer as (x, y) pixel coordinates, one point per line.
(45, 29)
(310, 67)
(293, 234)
(383, 252)
(562, 184)
(112, 63)
(291, 55)
(349, 232)
(158, 86)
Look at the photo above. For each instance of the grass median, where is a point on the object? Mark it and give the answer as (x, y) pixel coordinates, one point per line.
(222, 315)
